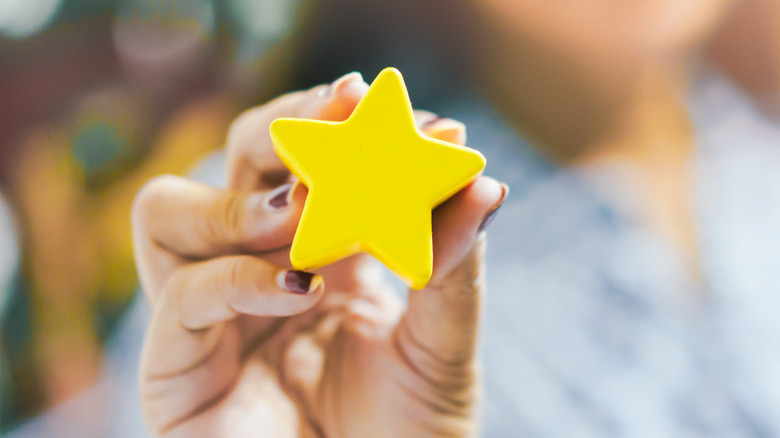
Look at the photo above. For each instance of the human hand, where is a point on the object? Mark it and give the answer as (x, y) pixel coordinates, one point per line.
(240, 345)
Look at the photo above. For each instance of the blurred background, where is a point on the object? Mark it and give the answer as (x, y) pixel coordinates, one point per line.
(98, 96)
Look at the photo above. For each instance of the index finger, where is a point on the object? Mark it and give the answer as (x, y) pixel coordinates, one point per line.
(251, 161)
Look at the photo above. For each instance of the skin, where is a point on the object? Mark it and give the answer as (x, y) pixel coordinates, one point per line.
(747, 48)
(596, 75)
(231, 352)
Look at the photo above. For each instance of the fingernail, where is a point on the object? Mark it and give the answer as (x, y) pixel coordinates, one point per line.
(446, 129)
(430, 122)
(340, 84)
(337, 86)
(349, 86)
(492, 213)
(298, 282)
(444, 123)
(274, 178)
(280, 197)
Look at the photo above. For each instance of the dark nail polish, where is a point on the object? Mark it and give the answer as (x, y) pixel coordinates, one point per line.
(430, 122)
(275, 178)
(298, 282)
(282, 198)
(492, 213)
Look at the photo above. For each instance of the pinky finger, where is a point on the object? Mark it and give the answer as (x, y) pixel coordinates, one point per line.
(445, 129)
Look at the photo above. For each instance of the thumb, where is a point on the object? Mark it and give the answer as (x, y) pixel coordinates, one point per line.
(441, 324)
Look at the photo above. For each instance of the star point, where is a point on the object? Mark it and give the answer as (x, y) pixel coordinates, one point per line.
(373, 181)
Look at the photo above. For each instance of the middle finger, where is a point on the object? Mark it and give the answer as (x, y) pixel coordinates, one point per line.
(176, 218)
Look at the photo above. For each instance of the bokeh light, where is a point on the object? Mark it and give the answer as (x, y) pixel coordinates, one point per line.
(22, 18)
(159, 42)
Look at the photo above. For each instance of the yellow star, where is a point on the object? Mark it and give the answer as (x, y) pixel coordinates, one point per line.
(373, 181)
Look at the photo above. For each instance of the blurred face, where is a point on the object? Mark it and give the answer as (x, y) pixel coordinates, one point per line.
(569, 71)
(608, 30)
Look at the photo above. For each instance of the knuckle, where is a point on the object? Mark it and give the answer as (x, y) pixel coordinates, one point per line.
(228, 220)
(169, 295)
(463, 273)
(149, 197)
(244, 121)
(234, 272)
(447, 372)
(245, 127)
(236, 276)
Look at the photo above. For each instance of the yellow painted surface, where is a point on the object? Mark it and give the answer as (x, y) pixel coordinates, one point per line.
(373, 181)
